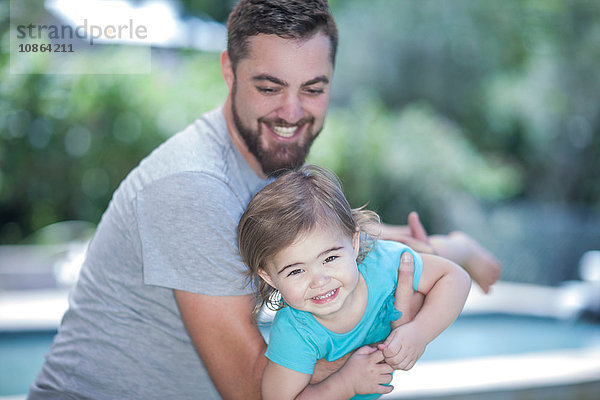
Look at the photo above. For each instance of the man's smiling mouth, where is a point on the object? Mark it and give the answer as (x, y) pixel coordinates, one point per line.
(284, 131)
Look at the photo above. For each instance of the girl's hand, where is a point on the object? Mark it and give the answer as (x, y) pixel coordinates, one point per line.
(403, 347)
(365, 372)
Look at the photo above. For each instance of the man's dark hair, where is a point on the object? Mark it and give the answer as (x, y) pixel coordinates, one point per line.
(288, 19)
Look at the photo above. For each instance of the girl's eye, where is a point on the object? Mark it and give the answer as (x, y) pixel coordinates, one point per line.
(295, 272)
(330, 259)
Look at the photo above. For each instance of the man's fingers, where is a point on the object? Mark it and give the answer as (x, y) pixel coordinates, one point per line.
(416, 228)
(418, 245)
(403, 297)
(406, 269)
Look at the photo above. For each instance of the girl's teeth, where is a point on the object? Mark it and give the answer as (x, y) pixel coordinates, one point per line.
(285, 131)
(326, 295)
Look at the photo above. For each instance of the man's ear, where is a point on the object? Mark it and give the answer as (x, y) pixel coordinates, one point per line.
(356, 243)
(266, 277)
(227, 69)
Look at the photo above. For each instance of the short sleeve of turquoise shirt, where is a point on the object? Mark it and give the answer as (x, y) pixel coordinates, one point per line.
(291, 344)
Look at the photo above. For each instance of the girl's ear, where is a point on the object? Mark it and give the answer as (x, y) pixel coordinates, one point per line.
(266, 277)
(356, 243)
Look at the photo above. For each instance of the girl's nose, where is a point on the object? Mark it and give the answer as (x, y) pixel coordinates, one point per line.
(319, 278)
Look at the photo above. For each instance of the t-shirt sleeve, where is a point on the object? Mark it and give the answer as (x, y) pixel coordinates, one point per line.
(290, 347)
(187, 226)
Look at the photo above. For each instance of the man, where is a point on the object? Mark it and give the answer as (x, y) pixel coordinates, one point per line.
(162, 309)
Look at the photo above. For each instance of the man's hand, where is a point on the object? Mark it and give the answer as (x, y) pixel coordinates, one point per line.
(413, 234)
(406, 299)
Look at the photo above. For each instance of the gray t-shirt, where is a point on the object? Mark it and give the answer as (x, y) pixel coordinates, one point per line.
(171, 224)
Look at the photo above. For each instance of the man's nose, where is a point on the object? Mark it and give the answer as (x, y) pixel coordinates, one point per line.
(291, 110)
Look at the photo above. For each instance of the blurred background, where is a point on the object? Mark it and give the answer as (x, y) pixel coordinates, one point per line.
(483, 116)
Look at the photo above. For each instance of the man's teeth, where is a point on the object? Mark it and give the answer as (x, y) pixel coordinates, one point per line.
(326, 295)
(285, 131)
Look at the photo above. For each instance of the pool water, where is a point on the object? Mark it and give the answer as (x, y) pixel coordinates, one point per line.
(486, 335)
(21, 357)
(471, 336)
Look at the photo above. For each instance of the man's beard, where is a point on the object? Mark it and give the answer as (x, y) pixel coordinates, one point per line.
(279, 157)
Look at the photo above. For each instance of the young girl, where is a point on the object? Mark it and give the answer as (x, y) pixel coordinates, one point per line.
(337, 289)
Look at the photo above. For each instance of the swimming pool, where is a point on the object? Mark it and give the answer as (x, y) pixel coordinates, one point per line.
(486, 350)
(21, 357)
(472, 336)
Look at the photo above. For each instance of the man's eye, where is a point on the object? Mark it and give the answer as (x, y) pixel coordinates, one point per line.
(295, 272)
(330, 259)
(314, 92)
(266, 90)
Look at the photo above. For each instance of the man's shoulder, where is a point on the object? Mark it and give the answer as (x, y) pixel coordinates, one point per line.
(203, 146)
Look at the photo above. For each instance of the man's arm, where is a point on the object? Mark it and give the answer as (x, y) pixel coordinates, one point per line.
(413, 235)
(458, 247)
(445, 286)
(228, 341)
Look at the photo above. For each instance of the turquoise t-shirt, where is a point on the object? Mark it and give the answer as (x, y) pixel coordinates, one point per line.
(297, 340)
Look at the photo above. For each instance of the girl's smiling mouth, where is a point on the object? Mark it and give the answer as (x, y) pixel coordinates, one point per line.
(326, 297)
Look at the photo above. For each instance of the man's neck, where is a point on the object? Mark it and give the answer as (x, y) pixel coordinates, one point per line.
(238, 142)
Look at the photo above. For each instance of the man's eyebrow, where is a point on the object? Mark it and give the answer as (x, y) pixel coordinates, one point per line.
(270, 78)
(266, 77)
(319, 79)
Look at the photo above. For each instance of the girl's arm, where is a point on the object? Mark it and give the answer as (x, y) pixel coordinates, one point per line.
(445, 286)
(363, 373)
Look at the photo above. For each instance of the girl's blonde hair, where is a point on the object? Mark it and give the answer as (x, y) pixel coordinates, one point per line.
(295, 204)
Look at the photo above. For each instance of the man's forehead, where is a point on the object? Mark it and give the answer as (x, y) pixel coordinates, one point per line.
(272, 50)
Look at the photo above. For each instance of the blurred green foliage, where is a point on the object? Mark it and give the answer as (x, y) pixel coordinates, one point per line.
(433, 100)
(66, 141)
(519, 77)
(412, 159)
